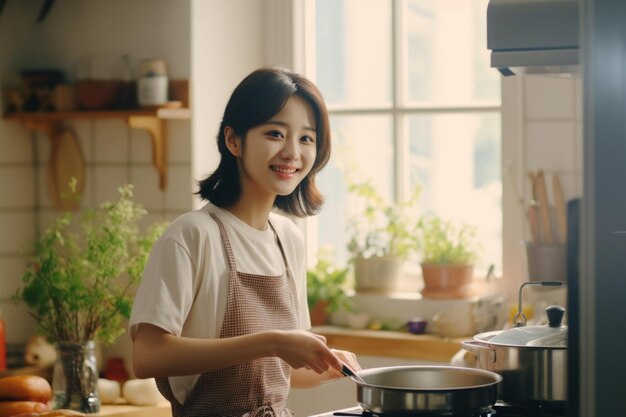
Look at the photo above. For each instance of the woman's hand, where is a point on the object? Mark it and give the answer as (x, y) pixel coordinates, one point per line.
(349, 359)
(308, 376)
(303, 349)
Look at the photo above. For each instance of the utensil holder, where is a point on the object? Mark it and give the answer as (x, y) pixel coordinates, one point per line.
(545, 262)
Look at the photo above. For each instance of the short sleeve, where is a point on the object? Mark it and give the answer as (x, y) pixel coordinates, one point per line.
(165, 294)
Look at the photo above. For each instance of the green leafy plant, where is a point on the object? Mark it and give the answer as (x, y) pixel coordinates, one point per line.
(444, 242)
(382, 229)
(327, 282)
(78, 281)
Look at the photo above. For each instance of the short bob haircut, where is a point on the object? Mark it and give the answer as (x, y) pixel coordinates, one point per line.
(259, 97)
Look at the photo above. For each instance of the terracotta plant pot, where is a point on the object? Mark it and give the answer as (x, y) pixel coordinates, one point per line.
(447, 281)
(318, 314)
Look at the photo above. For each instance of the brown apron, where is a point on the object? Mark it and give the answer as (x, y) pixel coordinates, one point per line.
(252, 389)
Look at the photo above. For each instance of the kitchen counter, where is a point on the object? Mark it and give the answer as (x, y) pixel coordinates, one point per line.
(125, 410)
(391, 344)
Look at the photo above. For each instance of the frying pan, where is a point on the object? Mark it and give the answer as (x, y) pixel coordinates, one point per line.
(426, 390)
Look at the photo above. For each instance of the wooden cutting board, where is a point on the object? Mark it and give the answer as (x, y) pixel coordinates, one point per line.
(544, 208)
(561, 212)
(66, 162)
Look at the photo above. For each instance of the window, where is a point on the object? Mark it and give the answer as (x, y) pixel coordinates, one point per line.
(412, 101)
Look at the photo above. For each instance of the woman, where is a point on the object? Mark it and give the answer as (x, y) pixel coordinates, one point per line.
(220, 317)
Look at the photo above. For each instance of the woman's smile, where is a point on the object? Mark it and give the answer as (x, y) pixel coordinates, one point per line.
(284, 171)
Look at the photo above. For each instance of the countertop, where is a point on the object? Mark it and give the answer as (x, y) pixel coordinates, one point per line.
(391, 344)
(124, 410)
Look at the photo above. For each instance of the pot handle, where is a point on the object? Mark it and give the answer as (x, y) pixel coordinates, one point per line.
(479, 349)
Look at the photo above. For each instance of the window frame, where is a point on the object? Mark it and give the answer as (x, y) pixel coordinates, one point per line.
(398, 110)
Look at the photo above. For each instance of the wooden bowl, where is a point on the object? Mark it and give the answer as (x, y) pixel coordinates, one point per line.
(98, 94)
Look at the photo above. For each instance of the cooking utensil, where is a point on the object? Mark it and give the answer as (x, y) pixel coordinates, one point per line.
(559, 203)
(66, 162)
(544, 207)
(533, 222)
(533, 210)
(441, 390)
(531, 359)
(546, 262)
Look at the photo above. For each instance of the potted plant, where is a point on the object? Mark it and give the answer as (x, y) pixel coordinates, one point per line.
(77, 286)
(382, 238)
(326, 288)
(448, 252)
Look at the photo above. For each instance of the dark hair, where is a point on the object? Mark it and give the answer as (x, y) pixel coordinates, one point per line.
(259, 97)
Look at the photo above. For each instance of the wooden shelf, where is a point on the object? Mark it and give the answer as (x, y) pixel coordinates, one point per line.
(151, 120)
(391, 344)
(162, 113)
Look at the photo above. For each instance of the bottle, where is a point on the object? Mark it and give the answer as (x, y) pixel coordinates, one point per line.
(3, 346)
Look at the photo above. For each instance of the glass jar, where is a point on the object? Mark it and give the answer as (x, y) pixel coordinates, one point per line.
(75, 377)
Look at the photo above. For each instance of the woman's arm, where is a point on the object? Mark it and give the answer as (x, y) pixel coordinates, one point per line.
(158, 353)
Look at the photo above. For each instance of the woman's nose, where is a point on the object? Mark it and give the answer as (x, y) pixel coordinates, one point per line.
(291, 149)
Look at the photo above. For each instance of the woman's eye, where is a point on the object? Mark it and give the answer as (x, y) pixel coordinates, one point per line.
(308, 139)
(275, 134)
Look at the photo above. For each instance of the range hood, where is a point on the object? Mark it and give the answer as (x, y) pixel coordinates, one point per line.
(534, 36)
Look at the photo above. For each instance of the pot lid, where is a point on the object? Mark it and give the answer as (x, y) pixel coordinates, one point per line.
(554, 335)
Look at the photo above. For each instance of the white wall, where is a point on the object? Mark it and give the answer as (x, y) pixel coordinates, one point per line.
(114, 153)
(542, 129)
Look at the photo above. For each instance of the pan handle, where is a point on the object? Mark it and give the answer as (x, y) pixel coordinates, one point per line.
(480, 350)
(347, 371)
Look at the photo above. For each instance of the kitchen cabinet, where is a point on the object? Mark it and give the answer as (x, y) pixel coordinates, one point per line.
(152, 120)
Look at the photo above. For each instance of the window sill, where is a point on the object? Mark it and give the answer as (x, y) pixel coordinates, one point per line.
(391, 344)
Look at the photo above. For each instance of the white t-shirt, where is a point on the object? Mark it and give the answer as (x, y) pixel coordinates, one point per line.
(184, 288)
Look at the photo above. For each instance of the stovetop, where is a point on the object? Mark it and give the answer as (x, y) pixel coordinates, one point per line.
(498, 410)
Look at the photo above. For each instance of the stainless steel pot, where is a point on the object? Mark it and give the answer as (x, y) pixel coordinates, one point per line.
(532, 360)
(440, 390)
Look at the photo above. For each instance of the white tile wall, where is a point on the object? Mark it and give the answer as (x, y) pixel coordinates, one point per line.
(140, 147)
(83, 130)
(115, 154)
(549, 98)
(15, 144)
(148, 194)
(179, 135)
(19, 324)
(17, 229)
(12, 269)
(546, 119)
(17, 187)
(550, 145)
(553, 130)
(179, 197)
(107, 179)
(111, 141)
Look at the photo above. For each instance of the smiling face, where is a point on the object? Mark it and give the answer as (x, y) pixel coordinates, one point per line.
(277, 154)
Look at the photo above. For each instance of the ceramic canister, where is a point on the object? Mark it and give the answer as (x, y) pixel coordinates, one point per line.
(153, 83)
(152, 91)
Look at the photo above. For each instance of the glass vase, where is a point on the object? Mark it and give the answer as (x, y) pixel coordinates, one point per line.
(75, 378)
